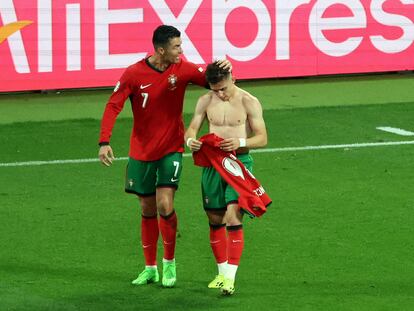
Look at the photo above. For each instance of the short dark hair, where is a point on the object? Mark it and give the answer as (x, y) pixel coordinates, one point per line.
(216, 74)
(162, 35)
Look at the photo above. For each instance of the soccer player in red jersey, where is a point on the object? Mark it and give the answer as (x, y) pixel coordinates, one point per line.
(155, 86)
(236, 116)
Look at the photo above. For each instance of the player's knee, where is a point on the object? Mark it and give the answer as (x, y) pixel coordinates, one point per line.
(233, 216)
(148, 207)
(233, 221)
(164, 206)
(215, 218)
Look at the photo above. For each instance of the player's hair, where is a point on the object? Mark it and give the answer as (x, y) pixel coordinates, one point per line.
(215, 74)
(162, 35)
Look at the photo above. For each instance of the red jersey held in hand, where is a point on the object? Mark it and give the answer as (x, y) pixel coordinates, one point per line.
(157, 104)
(252, 197)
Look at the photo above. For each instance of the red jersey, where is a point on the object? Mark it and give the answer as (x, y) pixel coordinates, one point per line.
(253, 199)
(157, 99)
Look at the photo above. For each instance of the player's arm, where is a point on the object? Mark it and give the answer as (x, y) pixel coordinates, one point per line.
(113, 107)
(257, 124)
(196, 123)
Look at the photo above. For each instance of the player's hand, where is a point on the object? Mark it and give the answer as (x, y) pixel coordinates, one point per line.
(229, 144)
(225, 64)
(194, 144)
(106, 155)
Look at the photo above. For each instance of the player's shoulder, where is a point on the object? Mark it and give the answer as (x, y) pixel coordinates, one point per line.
(134, 70)
(189, 65)
(184, 62)
(248, 98)
(206, 98)
(137, 65)
(250, 103)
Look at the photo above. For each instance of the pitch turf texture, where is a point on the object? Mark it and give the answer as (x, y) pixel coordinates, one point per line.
(339, 235)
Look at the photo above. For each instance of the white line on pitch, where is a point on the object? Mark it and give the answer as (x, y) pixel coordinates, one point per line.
(395, 130)
(264, 150)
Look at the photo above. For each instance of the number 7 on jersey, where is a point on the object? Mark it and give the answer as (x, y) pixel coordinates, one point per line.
(144, 102)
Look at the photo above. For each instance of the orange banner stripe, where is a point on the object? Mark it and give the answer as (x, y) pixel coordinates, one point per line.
(9, 29)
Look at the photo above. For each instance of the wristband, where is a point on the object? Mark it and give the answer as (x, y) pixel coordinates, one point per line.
(189, 141)
(242, 142)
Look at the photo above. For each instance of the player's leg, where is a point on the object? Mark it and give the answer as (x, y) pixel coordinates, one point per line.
(235, 236)
(168, 228)
(218, 244)
(169, 171)
(167, 220)
(214, 204)
(235, 245)
(140, 180)
(149, 239)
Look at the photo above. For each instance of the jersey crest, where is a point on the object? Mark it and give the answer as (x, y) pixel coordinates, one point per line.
(172, 82)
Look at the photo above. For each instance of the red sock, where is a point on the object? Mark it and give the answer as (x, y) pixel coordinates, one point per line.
(149, 238)
(168, 228)
(218, 242)
(235, 243)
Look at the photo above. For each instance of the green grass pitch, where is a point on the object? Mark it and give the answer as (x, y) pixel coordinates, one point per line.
(339, 235)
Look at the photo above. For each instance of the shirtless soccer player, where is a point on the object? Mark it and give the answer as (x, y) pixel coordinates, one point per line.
(236, 116)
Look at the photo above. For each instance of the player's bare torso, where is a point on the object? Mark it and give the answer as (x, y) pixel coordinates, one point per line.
(229, 118)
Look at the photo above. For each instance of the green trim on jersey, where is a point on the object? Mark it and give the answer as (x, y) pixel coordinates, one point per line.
(216, 193)
(143, 177)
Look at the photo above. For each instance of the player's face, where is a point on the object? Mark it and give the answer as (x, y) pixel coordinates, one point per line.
(173, 51)
(223, 89)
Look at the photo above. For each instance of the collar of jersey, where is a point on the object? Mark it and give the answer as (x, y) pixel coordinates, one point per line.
(153, 67)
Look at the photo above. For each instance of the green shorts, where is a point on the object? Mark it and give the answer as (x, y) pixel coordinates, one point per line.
(143, 177)
(217, 194)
